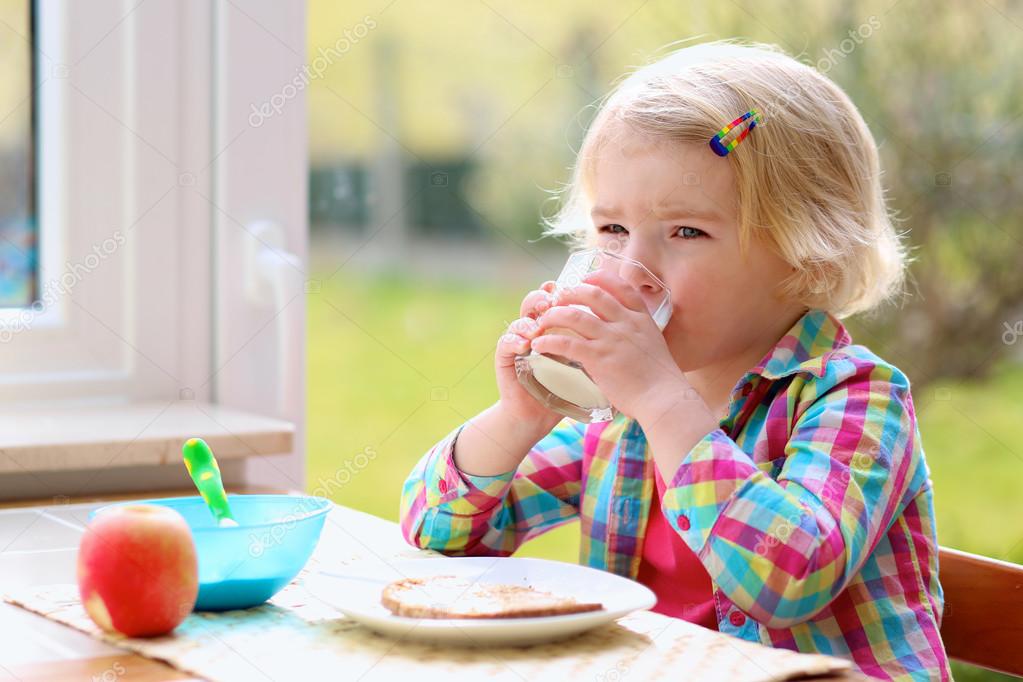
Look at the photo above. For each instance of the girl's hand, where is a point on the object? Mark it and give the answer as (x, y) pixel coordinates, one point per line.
(515, 402)
(621, 347)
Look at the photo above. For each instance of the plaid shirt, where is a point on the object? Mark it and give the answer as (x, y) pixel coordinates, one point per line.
(810, 506)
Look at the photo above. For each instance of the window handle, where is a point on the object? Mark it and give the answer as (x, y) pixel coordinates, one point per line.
(274, 276)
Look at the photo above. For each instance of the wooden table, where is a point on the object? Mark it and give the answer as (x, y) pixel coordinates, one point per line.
(38, 546)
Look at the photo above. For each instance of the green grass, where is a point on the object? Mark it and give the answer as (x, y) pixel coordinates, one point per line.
(972, 438)
(395, 364)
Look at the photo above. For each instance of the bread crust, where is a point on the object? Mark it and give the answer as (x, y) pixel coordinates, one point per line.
(448, 596)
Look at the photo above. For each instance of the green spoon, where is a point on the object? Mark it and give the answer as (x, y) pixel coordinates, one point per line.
(205, 472)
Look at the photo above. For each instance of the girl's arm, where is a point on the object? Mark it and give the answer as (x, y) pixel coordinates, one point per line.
(782, 545)
(445, 509)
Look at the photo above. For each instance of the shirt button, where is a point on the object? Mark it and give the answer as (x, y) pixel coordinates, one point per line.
(736, 618)
(442, 486)
(683, 522)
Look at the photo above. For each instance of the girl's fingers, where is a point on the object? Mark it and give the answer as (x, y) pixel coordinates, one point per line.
(604, 305)
(537, 301)
(516, 339)
(581, 322)
(606, 294)
(524, 326)
(623, 292)
(559, 344)
(512, 344)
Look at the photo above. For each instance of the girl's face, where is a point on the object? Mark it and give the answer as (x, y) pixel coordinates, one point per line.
(673, 207)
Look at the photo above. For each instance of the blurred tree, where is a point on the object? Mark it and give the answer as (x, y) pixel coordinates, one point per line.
(508, 89)
(943, 98)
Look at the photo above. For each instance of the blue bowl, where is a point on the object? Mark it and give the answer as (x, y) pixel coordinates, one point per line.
(243, 566)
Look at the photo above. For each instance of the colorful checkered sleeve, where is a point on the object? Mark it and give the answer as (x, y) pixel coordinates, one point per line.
(456, 513)
(782, 539)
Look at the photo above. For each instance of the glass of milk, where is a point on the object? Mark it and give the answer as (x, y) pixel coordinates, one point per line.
(563, 385)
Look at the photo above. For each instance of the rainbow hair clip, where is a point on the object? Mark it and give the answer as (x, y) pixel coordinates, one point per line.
(722, 149)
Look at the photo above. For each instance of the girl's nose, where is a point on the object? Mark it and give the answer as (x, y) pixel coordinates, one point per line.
(639, 276)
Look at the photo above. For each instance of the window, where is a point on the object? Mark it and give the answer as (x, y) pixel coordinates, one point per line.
(17, 153)
(165, 296)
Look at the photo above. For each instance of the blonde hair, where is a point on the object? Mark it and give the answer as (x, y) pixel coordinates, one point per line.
(808, 179)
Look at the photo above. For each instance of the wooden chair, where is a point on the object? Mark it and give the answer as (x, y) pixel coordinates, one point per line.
(983, 618)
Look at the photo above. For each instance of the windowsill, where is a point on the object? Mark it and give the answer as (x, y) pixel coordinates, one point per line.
(34, 439)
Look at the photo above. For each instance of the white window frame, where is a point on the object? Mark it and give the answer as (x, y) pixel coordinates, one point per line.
(143, 131)
(96, 174)
(261, 225)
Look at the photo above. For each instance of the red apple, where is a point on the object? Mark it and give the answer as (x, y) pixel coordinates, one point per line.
(137, 570)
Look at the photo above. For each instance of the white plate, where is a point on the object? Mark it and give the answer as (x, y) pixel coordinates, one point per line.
(357, 595)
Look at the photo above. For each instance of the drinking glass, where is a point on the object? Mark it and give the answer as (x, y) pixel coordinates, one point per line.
(563, 385)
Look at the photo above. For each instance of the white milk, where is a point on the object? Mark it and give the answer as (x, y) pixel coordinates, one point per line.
(567, 382)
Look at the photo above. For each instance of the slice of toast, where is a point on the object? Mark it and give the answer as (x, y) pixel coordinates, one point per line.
(448, 596)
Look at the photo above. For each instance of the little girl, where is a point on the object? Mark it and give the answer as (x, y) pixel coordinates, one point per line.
(764, 475)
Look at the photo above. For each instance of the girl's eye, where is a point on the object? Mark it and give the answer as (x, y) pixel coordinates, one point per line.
(684, 231)
(691, 232)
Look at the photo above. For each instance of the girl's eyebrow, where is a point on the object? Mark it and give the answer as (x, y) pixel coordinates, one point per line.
(684, 212)
(663, 212)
